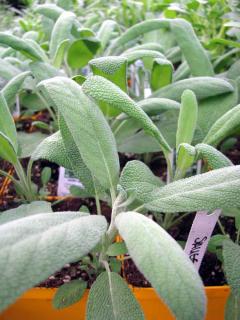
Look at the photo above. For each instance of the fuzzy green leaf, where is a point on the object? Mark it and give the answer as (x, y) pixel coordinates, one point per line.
(18, 44)
(7, 125)
(214, 158)
(40, 245)
(136, 177)
(161, 75)
(109, 297)
(208, 191)
(25, 210)
(52, 149)
(49, 10)
(187, 119)
(82, 51)
(232, 309)
(164, 264)
(102, 89)
(13, 86)
(61, 32)
(69, 293)
(231, 258)
(115, 70)
(203, 87)
(7, 150)
(224, 127)
(28, 142)
(88, 127)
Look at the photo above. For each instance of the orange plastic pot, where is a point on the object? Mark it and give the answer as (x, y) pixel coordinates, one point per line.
(36, 305)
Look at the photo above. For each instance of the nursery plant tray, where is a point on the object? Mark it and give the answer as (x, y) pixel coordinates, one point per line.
(36, 304)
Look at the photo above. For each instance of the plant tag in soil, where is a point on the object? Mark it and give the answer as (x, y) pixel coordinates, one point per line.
(200, 234)
(147, 92)
(66, 179)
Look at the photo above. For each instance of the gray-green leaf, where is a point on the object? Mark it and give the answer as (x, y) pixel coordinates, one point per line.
(41, 244)
(164, 264)
(111, 299)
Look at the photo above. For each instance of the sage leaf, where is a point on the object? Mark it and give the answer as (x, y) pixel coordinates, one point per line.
(7, 70)
(25, 210)
(41, 244)
(12, 88)
(82, 51)
(7, 151)
(186, 155)
(49, 10)
(88, 127)
(115, 70)
(132, 55)
(203, 87)
(108, 298)
(183, 33)
(61, 31)
(161, 74)
(101, 89)
(52, 149)
(208, 191)
(105, 32)
(20, 45)
(214, 158)
(79, 168)
(223, 127)
(187, 119)
(28, 142)
(231, 259)
(69, 293)
(232, 310)
(136, 177)
(117, 249)
(164, 264)
(7, 125)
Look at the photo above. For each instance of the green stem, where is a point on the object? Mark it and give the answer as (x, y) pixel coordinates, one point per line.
(27, 189)
(179, 219)
(5, 174)
(221, 227)
(47, 107)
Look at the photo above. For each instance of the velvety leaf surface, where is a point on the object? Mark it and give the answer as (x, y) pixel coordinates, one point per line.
(69, 293)
(203, 87)
(111, 299)
(33, 248)
(52, 149)
(7, 125)
(136, 177)
(164, 264)
(208, 191)
(25, 210)
(101, 89)
(88, 127)
(231, 259)
(28, 142)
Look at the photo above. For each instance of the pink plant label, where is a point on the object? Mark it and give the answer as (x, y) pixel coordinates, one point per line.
(200, 235)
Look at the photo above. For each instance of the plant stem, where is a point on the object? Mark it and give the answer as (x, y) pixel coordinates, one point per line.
(5, 174)
(47, 107)
(221, 227)
(178, 219)
(26, 188)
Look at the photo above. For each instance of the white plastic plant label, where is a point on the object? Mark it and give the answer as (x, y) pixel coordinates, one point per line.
(200, 235)
(66, 179)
